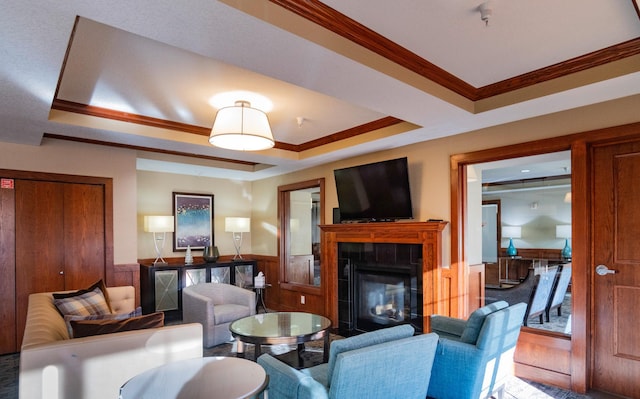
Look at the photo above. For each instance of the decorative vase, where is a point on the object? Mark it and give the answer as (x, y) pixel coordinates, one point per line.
(188, 258)
(566, 251)
(210, 254)
(511, 251)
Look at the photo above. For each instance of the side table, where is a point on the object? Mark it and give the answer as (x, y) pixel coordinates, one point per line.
(260, 296)
(207, 377)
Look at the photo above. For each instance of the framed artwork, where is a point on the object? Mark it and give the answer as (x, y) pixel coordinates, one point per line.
(193, 218)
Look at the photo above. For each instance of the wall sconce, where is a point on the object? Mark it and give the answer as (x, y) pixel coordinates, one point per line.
(512, 232)
(564, 231)
(156, 225)
(236, 226)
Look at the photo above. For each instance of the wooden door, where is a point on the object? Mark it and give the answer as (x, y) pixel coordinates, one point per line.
(84, 235)
(39, 243)
(616, 297)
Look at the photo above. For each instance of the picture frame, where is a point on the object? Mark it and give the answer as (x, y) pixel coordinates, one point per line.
(193, 221)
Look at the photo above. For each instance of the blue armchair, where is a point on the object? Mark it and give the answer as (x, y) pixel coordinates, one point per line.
(475, 357)
(386, 363)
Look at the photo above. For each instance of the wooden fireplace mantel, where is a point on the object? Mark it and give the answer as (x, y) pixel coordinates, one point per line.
(428, 234)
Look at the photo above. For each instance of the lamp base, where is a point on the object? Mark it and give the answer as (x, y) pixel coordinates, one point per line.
(237, 243)
(511, 251)
(160, 263)
(566, 251)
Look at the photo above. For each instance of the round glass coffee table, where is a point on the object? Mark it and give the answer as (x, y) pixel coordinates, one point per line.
(206, 377)
(290, 328)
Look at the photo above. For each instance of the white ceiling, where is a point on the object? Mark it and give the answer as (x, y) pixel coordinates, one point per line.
(165, 59)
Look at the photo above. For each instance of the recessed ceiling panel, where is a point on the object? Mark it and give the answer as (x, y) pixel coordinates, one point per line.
(114, 69)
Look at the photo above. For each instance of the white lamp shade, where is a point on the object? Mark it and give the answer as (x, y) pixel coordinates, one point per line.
(158, 224)
(511, 231)
(237, 225)
(241, 128)
(563, 231)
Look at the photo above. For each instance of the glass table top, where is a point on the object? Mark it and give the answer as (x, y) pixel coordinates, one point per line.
(280, 325)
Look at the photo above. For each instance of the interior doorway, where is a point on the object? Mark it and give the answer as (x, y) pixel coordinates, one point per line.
(525, 206)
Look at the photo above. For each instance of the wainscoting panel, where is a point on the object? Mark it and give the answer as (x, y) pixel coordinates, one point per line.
(541, 357)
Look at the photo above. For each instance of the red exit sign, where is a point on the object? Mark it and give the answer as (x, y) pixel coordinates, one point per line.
(6, 183)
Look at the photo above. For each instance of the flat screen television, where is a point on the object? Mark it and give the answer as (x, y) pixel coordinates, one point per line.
(374, 192)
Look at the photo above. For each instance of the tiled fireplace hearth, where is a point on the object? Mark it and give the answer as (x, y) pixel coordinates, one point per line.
(383, 274)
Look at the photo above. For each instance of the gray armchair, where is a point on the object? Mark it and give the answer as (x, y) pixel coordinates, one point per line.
(215, 306)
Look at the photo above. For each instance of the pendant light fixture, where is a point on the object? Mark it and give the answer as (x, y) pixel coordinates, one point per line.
(241, 127)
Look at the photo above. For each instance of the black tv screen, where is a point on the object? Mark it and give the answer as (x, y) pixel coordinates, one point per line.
(374, 192)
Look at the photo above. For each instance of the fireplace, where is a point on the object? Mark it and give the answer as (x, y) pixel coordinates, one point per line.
(380, 286)
(390, 245)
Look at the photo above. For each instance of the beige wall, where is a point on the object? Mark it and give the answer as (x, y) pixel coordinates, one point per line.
(55, 156)
(140, 193)
(154, 194)
(429, 163)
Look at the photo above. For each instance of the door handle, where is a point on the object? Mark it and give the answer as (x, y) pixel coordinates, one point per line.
(603, 270)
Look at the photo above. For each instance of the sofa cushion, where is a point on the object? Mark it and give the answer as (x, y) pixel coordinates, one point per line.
(476, 320)
(85, 328)
(82, 303)
(110, 316)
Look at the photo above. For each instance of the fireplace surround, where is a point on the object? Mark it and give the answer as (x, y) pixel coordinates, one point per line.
(424, 253)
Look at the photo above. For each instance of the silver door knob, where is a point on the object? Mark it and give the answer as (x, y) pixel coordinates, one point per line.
(603, 270)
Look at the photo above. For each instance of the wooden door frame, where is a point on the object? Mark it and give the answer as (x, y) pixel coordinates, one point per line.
(283, 231)
(580, 356)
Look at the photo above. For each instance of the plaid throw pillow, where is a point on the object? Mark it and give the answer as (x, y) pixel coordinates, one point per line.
(84, 304)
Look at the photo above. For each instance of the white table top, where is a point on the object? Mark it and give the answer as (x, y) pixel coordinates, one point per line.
(207, 377)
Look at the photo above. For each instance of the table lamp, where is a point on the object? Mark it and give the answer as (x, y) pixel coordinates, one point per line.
(511, 232)
(564, 231)
(157, 225)
(237, 226)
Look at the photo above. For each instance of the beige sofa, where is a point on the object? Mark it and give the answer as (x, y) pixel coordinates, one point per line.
(54, 366)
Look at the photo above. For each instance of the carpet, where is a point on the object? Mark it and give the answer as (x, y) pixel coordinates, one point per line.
(517, 388)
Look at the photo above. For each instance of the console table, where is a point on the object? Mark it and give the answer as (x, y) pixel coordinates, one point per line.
(161, 286)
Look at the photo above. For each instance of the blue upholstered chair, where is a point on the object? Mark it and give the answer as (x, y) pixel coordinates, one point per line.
(387, 363)
(475, 357)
